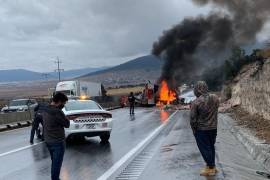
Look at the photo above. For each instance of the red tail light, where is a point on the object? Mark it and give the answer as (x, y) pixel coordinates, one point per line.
(72, 117)
(106, 115)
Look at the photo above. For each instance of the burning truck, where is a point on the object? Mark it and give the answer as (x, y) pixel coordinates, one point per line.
(154, 94)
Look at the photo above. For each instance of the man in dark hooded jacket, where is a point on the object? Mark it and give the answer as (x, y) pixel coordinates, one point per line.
(203, 121)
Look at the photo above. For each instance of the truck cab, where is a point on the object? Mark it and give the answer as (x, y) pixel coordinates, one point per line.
(79, 88)
(69, 88)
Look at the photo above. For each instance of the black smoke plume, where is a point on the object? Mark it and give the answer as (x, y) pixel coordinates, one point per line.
(198, 44)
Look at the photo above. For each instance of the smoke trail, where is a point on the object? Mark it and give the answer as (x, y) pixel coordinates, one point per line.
(248, 16)
(197, 44)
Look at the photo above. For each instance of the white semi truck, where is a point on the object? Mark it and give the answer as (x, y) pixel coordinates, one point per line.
(78, 88)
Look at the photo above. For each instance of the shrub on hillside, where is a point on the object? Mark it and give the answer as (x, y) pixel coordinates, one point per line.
(216, 77)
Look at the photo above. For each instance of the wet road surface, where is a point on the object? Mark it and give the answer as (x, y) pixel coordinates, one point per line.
(178, 156)
(173, 154)
(83, 160)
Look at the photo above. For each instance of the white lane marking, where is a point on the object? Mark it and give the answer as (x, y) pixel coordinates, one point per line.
(19, 149)
(119, 164)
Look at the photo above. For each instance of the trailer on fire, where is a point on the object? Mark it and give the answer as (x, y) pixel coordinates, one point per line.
(148, 96)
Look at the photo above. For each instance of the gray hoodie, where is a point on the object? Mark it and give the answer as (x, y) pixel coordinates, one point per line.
(204, 109)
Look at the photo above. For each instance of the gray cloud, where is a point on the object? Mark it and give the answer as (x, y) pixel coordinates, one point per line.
(83, 33)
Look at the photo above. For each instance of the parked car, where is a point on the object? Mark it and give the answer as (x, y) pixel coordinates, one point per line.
(88, 118)
(20, 105)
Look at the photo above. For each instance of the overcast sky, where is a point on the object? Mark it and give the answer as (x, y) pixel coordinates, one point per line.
(83, 33)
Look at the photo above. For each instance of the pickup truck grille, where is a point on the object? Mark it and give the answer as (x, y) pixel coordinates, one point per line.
(87, 120)
(89, 117)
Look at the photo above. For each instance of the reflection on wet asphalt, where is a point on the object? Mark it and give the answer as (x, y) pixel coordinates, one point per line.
(83, 160)
(176, 155)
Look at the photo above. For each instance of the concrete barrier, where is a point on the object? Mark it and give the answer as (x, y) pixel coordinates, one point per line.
(21, 119)
(15, 117)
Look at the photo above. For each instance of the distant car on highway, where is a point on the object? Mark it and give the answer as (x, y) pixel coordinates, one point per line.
(88, 118)
(20, 105)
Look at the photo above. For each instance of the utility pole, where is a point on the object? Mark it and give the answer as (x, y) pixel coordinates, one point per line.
(59, 70)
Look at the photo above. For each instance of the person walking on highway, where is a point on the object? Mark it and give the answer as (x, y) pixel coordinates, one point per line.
(203, 121)
(35, 125)
(131, 100)
(54, 121)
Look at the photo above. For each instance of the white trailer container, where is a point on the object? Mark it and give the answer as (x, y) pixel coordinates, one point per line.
(79, 88)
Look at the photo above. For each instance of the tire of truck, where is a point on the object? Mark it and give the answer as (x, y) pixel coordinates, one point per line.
(105, 137)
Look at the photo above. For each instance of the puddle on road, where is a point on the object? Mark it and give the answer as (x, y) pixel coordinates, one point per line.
(164, 115)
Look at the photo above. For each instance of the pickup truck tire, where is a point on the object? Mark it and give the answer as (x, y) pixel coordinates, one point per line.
(105, 137)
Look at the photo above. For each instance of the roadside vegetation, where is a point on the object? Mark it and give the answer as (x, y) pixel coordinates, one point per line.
(216, 77)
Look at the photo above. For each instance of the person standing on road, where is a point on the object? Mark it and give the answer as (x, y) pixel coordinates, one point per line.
(54, 121)
(203, 121)
(131, 100)
(37, 120)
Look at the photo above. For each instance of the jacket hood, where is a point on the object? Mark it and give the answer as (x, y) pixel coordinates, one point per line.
(200, 88)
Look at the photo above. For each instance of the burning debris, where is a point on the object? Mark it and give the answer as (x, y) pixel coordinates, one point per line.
(197, 44)
(166, 95)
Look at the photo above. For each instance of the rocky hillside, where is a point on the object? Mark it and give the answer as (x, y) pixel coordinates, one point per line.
(251, 89)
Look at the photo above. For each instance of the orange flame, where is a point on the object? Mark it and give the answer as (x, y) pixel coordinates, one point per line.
(165, 94)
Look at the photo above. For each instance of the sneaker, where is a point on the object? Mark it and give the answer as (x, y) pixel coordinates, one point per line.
(208, 172)
(31, 142)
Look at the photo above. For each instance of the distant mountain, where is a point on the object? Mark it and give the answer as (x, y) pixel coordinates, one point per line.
(76, 72)
(145, 62)
(26, 75)
(19, 75)
(136, 71)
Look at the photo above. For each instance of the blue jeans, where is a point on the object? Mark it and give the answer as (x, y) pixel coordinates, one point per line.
(57, 151)
(206, 143)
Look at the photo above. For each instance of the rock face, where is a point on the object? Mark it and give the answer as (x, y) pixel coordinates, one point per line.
(251, 89)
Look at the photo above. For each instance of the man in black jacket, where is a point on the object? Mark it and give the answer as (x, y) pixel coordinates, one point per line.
(37, 121)
(131, 99)
(54, 121)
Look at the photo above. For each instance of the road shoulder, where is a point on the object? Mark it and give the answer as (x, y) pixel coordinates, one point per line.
(178, 157)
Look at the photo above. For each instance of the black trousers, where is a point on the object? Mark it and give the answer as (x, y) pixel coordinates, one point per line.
(131, 108)
(206, 143)
(38, 119)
